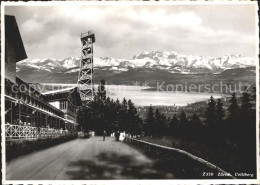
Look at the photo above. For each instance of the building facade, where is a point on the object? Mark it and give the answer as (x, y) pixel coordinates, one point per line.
(26, 106)
(14, 49)
(27, 111)
(66, 100)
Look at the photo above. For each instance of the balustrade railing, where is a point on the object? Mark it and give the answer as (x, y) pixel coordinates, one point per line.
(28, 132)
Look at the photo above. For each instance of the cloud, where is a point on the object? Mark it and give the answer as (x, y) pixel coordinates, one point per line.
(32, 25)
(58, 45)
(123, 31)
(161, 19)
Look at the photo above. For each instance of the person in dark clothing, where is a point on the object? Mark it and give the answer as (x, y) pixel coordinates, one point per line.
(117, 135)
(104, 135)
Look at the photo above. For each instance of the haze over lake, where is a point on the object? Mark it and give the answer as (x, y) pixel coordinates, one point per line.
(142, 97)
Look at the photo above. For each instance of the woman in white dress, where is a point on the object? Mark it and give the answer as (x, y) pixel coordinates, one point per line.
(122, 136)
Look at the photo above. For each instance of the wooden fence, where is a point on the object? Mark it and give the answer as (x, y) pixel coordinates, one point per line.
(149, 146)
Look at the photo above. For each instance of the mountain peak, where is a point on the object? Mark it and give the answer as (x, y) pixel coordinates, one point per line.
(168, 60)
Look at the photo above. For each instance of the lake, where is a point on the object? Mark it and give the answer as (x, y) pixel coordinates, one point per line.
(140, 96)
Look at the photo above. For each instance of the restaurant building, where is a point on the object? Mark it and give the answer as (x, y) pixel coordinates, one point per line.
(24, 105)
(67, 100)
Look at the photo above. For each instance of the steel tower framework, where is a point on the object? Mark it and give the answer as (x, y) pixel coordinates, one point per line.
(85, 78)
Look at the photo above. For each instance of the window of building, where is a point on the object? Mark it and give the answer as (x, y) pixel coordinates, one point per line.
(63, 104)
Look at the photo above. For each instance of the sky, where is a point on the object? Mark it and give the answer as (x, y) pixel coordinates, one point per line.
(123, 31)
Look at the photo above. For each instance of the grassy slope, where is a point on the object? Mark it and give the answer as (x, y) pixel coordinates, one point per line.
(223, 156)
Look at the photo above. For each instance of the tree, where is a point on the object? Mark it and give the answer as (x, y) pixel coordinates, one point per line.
(253, 94)
(107, 114)
(174, 124)
(220, 113)
(157, 124)
(196, 131)
(247, 122)
(233, 118)
(195, 122)
(117, 103)
(123, 116)
(210, 113)
(134, 121)
(83, 118)
(163, 125)
(149, 122)
(183, 118)
(218, 131)
(233, 110)
(159, 127)
(131, 108)
(124, 104)
(247, 129)
(246, 107)
(183, 124)
(102, 90)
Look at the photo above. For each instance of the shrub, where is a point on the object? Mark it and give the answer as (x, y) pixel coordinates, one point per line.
(22, 147)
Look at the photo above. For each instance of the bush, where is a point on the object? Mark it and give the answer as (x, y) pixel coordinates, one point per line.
(22, 147)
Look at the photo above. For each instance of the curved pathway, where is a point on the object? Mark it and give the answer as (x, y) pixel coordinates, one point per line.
(84, 159)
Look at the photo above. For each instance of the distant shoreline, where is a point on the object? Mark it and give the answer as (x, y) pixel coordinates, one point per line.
(142, 88)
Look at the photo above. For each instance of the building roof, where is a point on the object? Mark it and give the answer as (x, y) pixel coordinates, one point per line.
(71, 94)
(59, 91)
(13, 37)
(22, 87)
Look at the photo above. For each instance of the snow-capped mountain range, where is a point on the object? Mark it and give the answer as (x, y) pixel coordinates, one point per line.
(170, 61)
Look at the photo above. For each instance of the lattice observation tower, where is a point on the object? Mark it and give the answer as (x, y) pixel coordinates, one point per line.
(85, 78)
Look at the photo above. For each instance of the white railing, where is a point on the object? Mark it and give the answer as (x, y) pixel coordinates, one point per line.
(20, 132)
(49, 132)
(28, 132)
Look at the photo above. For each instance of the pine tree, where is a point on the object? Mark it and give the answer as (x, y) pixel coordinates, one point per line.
(124, 104)
(133, 125)
(220, 113)
(123, 116)
(247, 122)
(183, 124)
(246, 106)
(253, 94)
(107, 101)
(160, 123)
(210, 113)
(183, 118)
(117, 104)
(157, 125)
(131, 108)
(174, 124)
(110, 115)
(117, 107)
(233, 131)
(149, 122)
(195, 121)
(163, 125)
(195, 126)
(168, 124)
(102, 90)
(233, 110)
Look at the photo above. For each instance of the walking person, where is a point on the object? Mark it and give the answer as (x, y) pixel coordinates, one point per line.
(104, 135)
(117, 134)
